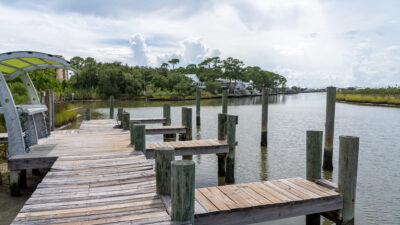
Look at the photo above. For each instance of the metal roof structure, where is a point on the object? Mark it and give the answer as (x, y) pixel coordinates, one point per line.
(13, 64)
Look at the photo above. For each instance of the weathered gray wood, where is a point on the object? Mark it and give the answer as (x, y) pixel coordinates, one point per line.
(225, 101)
(221, 136)
(163, 158)
(148, 120)
(347, 176)
(264, 117)
(166, 130)
(125, 120)
(31, 163)
(231, 139)
(328, 184)
(167, 116)
(182, 190)
(329, 127)
(88, 114)
(198, 96)
(111, 107)
(187, 122)
(139, 136)
(14, 183)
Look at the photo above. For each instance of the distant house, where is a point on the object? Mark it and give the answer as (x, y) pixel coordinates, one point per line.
(195, 80)
(237, 86)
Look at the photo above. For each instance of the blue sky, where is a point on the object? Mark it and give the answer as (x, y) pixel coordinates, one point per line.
(313, 43)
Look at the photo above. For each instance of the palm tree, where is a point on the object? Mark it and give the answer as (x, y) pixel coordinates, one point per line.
(173, 62)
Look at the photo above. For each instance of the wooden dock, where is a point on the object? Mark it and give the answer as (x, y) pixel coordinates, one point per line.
(166, 130)
(97, 178)
(148, 120)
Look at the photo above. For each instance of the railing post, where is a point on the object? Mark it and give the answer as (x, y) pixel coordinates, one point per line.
(231, 139)
(221, 136)
(125, 120)
(88, 114)
(167, 116)
(225, 101)
(198, 96)
(182, 190)
(329, 127)
(264, 117)
(313, 166)
(111, 107)
(119, 114)
(139, 136)
(347, 176)
(163, 158)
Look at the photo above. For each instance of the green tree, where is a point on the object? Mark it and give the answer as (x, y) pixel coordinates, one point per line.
(173, 62)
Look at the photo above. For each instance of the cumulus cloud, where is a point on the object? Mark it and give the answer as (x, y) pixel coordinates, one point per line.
(139, 50)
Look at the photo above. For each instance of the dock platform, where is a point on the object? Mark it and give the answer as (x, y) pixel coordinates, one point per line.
(148, 120)
(166, 130)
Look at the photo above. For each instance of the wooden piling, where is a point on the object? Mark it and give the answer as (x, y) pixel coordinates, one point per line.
(139, 136)
(14, 183)
(231, 139)
(49, 102)
(119, 114)
(264, 117)
(125, 120)
(187, 122)
(182, 190)
(163, 158)
(225, 101)
(111, 107)
(313, 166)
(198, 96)
(88, 114)
(221, 136)
(329, 127)
(131, 125)
(347, 176)
(167, 116)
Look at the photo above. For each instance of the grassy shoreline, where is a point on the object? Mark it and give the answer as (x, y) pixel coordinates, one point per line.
(378, 99)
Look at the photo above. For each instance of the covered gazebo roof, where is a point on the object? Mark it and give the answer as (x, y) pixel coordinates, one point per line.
(13, 64)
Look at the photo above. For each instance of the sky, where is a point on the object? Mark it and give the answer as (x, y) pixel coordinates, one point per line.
(312, 43)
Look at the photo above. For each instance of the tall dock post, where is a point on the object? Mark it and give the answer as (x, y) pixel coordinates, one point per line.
(231, 139)
(329, 127)
(347, 176)
(125, 120)
(167, 116)
(264, 117)
(221, 136)
(139, 136)
(225, 101)
(198, 96)
(163, 158)
(111, 107)
(314, 166)
(187, 122)
(88, 114)
(49, 102)
(182, 190)
(131, 125)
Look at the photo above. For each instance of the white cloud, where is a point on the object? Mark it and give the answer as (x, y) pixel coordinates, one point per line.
(139, 50)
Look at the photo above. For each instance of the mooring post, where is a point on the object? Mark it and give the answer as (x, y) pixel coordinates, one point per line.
(163, 158)
(167, 116)
(187, 122)
(131, 125)
(139, 136)
(119, 114)
(313, 166)
(231, 139)
(182, 190)
(329, 127)
(14, 183)
(88, 114)
(225, 101)
(198, 96)
(347, 176)
(221, 136)
(111, 107)
(125, 120)
(264, 117)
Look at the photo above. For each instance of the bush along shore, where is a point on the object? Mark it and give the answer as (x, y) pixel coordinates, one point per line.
(382, 96)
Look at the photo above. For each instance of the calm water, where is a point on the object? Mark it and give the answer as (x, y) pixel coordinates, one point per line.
(378, 188)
